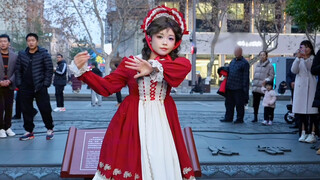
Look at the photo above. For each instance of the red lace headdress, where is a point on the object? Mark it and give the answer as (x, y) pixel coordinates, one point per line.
(163, 11)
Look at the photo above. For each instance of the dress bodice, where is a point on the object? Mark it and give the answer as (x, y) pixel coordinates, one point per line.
(150, 90)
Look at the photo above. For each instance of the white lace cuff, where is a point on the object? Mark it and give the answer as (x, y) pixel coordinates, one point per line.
(78, 72)
(157, 73)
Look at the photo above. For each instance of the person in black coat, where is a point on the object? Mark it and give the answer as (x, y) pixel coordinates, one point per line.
(34, 70)
(315, 70)
(60, 81)
(237, 87)
(96, 99)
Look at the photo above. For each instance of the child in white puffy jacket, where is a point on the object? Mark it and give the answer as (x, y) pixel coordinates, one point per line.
(269, 102)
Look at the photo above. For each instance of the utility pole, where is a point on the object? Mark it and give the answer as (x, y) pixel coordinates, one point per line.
(194, 44)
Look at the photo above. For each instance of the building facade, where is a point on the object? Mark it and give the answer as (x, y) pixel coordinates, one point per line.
(244, 24)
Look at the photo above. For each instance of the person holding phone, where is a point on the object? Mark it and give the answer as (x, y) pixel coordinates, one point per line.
(304, 93)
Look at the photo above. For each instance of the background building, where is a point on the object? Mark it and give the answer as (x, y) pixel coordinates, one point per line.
(238, 28)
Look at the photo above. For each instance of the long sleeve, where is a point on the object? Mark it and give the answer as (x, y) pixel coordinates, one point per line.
(13, 76)
(108, 85)
(271, 73)
(273, 97)
(175, 71)
(315, 69)
(18, 73)
(48, 67)
(295, 66)
(61, 68)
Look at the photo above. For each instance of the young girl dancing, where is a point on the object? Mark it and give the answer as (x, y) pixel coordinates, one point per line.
(144, 138)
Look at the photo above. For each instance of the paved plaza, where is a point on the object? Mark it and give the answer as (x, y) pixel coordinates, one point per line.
(42, 159)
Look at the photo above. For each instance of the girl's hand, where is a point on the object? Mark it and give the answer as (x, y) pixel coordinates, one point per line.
(81, 59)
(142, 66)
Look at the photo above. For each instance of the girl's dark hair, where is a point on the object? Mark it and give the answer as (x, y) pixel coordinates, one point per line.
(308, 44)
(155, 27)
(263, 52)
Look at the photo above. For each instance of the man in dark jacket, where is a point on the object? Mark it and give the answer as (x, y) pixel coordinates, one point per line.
(60, 81)
(237, 88)
(95, 98)
(34, 71)
(7, 85)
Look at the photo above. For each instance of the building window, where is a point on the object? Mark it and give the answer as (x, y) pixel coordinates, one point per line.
(236, 11)
(170, 4)
(267, 12)
(204, 15)
(238, 17)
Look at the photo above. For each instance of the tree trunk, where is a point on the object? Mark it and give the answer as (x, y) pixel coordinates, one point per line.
(213, 45)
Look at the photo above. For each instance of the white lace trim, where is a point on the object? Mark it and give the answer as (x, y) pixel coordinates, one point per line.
(78, 72)
(99, 176)
(156, 76)
(186, 170)
(190, 178)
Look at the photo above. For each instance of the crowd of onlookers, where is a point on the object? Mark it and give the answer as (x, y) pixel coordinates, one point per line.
(303, 82)
(30, 72)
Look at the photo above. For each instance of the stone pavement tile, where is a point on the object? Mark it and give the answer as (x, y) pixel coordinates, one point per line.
(201, 116)
(247, 145)
(34, 152)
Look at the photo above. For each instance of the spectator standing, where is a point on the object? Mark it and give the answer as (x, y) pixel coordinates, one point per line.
(60, 81)
(114, 65)
(34, 72)
(263, 72)
(237, 89)
(269, 102)
(96, 98)
(76, 84)
(315, 70)
(304, 92)
(7, 85)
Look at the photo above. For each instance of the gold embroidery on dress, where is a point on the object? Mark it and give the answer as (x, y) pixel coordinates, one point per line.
(127, 174)
(187, 170)
(116, 172)
(107, 167)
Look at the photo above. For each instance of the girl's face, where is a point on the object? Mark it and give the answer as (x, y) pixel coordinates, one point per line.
(163, 42)
(263, 56)
(268, 87)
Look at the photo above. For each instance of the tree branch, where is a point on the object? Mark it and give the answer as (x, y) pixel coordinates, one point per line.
(83, 22)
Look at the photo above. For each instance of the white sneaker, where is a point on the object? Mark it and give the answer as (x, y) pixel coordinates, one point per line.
(303, 137)
(49, 134)
(265, 122)
(311, 138)
(3, 133)
(63, 109)
(10, 132)
(57, 109)
(270, 123)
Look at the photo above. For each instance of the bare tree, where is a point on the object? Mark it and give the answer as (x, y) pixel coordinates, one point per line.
(212, 13)
(13, 18)
(83, 19)
(17, 18)
(269, 23)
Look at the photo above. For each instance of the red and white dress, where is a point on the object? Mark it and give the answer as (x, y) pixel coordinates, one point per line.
(144, 138)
